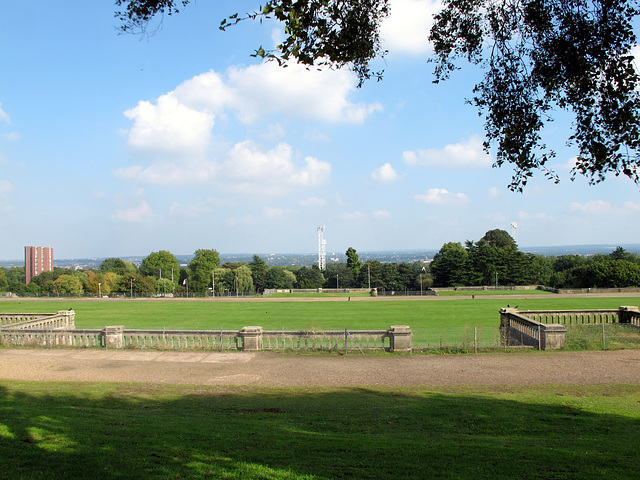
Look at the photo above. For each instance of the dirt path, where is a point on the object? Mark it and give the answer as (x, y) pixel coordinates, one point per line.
(272, 369)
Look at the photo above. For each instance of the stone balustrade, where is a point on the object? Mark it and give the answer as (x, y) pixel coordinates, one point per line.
(53, 338)
(545, 329)
(63, 320)
(582, 317)
(59, 330)
(518, 329)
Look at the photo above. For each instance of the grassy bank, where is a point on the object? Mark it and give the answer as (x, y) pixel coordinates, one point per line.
(125, 431)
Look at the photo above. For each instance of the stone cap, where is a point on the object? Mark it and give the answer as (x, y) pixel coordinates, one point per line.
(400, 329)
(253, 329)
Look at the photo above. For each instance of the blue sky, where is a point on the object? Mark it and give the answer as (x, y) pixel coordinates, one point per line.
(116, 145)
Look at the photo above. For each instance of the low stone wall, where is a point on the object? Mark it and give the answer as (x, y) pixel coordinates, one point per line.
(49, 330)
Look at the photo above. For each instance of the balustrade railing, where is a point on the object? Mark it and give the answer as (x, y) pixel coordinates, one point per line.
(573, 317)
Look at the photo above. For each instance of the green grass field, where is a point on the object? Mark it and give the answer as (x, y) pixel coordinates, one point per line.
(434, 322)
(132, 431)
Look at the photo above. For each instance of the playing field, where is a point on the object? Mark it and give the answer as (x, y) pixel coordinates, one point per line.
(433, 321)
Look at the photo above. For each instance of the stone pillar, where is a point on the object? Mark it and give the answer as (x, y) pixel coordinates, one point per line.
(505, 325)
(624, 314)
(553, 336)
(251, 339)
(69, 319)
(400, 338)
(114, 336)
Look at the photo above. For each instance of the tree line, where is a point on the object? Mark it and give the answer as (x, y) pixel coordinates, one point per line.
(161, 273)
(494, 260)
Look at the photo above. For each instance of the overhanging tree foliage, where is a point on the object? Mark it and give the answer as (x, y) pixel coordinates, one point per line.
(537, 56)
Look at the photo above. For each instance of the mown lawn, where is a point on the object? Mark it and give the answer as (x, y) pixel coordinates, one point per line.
(132, 431)
(434, 322)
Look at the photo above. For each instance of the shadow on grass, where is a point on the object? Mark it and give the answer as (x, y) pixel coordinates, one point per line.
(111, 431)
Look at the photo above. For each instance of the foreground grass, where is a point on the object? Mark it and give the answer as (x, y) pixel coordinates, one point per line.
(70, 430)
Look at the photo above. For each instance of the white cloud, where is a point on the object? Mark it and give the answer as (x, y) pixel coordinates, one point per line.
(406, 30)
(169, 126)
(441, 196)
(467, 154)
(135, 214)
(249, 169)
(4, 116)
(385, 174)
(632, 206)
(381, 214)
(5, 187)
(593, 206)
(181, 121)
(266, 89)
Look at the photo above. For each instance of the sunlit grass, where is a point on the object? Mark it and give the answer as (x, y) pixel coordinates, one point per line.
(71, 430)
(433, 321)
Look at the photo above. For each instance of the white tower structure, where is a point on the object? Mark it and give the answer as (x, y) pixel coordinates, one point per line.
(514, 229)
(322, 249)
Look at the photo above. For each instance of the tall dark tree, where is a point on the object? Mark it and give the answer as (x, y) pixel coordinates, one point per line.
(538, 56)
(309, 277)
(353, 261)
(450, 266)
(259, 271)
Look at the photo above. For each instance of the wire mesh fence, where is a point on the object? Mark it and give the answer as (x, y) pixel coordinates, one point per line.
(455, 339)
(471, 339)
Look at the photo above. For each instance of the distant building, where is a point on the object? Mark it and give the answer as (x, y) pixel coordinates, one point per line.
(36, 261)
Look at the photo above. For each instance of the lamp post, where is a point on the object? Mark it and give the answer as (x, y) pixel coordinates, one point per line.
(131, 288)
(213, 284)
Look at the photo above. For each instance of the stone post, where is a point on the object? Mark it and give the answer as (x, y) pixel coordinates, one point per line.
(251, 339)
(505, 325)
(553, 336)
(400, 338)
(624, 314)
(69, 319)
(114, 336)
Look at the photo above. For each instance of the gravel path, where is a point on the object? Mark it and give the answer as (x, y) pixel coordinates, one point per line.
(273, 369)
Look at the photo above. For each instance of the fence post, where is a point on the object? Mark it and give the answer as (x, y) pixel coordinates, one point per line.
(475, 340)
